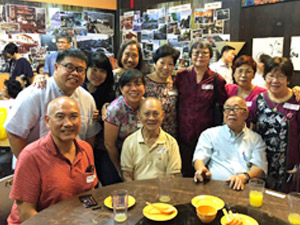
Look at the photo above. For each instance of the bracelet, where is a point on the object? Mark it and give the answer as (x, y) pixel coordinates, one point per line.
(248, 177)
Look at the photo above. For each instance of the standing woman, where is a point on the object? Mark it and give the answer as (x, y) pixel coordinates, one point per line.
(122, 117)
(195, 113)
(159, 84)
(244, 69)
(277, 118)
(129, 57)
(99, 82)
(18, 65)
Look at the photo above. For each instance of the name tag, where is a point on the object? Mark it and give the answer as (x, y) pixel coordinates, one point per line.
(207, 87)
(291, 106)
(249, 104)
(162, 150)
(90, 179)
(173, 92)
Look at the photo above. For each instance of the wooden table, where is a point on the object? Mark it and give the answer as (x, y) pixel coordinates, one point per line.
(71, 211)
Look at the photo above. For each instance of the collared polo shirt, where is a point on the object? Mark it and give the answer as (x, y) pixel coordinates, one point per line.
(148, 162)
(44, 176)
(226, 154)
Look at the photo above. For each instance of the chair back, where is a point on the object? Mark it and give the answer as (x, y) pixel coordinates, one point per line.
(5, 202)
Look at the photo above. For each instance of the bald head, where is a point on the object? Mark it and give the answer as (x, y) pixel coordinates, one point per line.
(56, 103)
(235, 113)
(63, 119)
(151, 114)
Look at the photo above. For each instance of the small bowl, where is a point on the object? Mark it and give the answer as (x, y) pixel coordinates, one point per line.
(206, 213)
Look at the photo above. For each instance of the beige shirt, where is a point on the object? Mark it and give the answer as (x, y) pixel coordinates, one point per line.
(148, 162)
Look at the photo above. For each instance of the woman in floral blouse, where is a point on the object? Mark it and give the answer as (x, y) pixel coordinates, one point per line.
(122, 119)
(159, 84)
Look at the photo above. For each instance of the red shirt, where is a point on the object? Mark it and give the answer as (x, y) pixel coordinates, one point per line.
(44, 176)
(195, 103)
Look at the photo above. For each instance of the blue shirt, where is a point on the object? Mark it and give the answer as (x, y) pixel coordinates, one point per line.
(49, 63)
(226, 154)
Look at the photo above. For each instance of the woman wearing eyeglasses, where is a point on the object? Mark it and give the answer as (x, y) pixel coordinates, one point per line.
(196, 101)
(244, 69)
(276, 116)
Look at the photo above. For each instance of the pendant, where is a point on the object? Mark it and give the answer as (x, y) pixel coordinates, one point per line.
(275, 109)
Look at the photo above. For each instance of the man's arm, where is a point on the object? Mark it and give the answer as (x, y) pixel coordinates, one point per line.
(26, 210)
(237, 182)
(127, 175)
(201, 171)
(16, 143)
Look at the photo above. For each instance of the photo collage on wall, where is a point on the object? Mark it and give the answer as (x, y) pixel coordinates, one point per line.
(176, 26)
(33, 29)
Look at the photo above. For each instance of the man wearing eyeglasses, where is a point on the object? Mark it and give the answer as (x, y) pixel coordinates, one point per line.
(25, 123)
(63, 42)
(231, 152)
(150, 151)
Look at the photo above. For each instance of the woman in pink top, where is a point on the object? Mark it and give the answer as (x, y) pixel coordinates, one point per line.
(244, 69)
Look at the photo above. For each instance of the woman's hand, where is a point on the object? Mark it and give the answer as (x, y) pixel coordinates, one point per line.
(104, 111)
(40, 81)
(96, 115)
(296, 92)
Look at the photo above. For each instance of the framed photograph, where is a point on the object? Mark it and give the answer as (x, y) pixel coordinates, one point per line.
(223, 14)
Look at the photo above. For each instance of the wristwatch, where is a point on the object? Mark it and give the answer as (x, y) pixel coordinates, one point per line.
(248, 177)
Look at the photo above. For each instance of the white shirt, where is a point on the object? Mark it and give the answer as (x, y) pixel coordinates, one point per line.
(227, 154)
(26, 118)
(259, 80)
(224, 70)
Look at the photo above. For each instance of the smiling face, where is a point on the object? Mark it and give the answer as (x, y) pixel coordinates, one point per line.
(130, 57)
(243, 75)
(68, 81)
(276, 82)
(96, 76)
(200, 57)
(133, 92)
(235, 113)
(164, 68)
(151, 114)
(63, 120)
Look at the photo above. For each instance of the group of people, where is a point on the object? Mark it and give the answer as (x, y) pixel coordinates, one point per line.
(141, 124)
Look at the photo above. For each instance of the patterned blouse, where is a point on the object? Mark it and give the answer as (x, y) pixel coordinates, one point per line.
(121, 114)
(167, 94)
(278, 124)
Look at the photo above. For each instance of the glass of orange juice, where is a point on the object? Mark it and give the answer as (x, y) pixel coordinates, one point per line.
(294, 208)
(256, 193)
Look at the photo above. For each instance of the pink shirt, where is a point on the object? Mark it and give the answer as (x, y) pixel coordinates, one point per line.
(232, 90)
(44, 176)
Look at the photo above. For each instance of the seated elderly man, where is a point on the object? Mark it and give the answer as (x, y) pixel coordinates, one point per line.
(150, 151)
(231, 152)
(55, 167)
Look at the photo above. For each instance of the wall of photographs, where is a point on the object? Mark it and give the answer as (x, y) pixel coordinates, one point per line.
(33, 26)
(177, 24)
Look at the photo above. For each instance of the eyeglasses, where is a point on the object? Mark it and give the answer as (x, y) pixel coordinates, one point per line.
(62, 42)
(235, 110)
(247, 72)
(204, 53)
(70, 68)
(271, 77)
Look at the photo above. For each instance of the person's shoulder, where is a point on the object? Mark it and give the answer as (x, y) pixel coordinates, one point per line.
(84, 94)
(115, 104)
(83, 145)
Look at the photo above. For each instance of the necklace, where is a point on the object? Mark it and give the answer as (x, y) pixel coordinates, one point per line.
(275, 107)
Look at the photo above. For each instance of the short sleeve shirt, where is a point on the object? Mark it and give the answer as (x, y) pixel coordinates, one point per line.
(122, 115)
(44, 176)
(149, 162)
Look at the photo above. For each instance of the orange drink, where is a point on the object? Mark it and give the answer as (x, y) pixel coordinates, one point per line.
(294, 218)
(256, 198)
